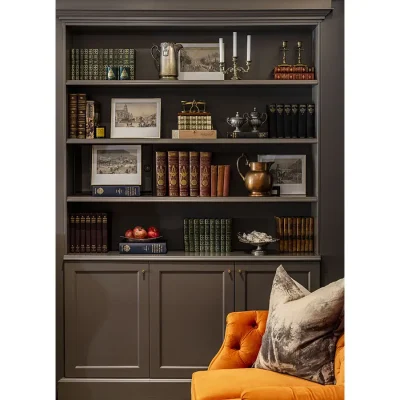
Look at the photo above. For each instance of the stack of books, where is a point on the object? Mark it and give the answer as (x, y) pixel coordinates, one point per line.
(294, 72)
(83, 116)
(88, 233)
(212, 235)
(296, 234)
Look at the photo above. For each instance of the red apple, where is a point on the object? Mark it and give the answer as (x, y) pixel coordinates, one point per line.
(139, 232)
(153, 232)
(129, 233)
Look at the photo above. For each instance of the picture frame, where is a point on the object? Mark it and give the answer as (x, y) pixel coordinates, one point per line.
(116, 165)
(199, 61)
(289, 173)
(136, 118)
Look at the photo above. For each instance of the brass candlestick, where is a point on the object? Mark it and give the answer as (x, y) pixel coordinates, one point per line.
(284, 49)
(235, 68)
(299, 50)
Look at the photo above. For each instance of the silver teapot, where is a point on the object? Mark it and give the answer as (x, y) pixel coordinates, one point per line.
(255, 119)
(236, 122)
(166, 59)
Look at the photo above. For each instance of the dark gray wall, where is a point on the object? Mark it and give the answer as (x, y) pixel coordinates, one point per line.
(332, 145)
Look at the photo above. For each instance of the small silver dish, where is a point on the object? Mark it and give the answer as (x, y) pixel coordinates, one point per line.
(260, 249)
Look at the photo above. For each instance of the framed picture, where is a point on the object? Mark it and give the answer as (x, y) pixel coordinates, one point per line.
(117, 165)
(289, 172)
(199, 61)
(135, 118)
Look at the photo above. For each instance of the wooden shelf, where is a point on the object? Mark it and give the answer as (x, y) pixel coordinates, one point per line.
(167, 199)
(196, 141)
(182, 256)
(228, 82)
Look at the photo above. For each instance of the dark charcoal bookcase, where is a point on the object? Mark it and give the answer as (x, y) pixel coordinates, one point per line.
(137, 327)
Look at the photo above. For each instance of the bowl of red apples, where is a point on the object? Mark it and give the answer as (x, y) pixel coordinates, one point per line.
(140, 234)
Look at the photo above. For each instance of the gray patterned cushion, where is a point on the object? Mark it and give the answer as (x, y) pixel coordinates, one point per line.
(302, 329)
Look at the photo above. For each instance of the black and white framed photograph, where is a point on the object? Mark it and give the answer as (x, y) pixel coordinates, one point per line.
(288, 171)
(135, 118)
(199, 61)
(117, 165)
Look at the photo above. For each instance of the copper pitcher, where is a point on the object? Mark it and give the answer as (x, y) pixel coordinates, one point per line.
(258, 179)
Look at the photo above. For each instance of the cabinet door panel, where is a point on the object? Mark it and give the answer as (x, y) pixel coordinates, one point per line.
(253, 281)
(188, 308)
(106, 320)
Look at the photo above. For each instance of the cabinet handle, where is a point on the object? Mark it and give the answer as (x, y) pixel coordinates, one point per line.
(143, 272)
(229, 271)
(239, 271)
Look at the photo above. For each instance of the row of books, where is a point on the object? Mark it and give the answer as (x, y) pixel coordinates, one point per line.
(291, 120)
(91, 64)
(296, 234)
(83, 116)
(294, 72)
(88, 233)
(183, 173)
(207, 235)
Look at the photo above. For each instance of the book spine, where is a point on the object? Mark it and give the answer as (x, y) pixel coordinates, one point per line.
(202, 235)
(196, 224)
(310, 120)
(298, 234)
(90, 119)
(101, 65)
(72, 64)
(143, 248)
(72, 236)
(111, 58)
(302, 234)
(289, 233)
(81, 128)
(285, 235)
(307, 235)
(83, 233)
(279, 121)
(93, 233)
(271, 113)
(220, 180)
(77, 233)
(104, 238)
(295, 120)
(73, 115)
(183, 173)
(294, 234)
(115, 191)
(90, 64)
(86, 64)
(217, 238)
(287, 120)
(161, 173)
(206, 234)
(205, 174)
(99, 233)
(186, 234)
(227, 178)
(212, 235)
(228, 235)
(173, 173)
(88, 230)
(132, 63)
(302, 120)
(278, 233)
(81, 51)
(302, 76)
(191, 235)
(214, 180)
(223, 235)
(194, 166)
(311, 233)
(77, 62)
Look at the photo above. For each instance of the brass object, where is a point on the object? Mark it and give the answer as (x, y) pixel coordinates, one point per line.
(258, 179)
(235, 68)
(299, 50)
(166, 59)
(284, 49)
(236, 122)
(255, 119)
(194, 106)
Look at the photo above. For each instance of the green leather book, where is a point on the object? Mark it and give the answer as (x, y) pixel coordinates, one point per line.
(207, 235)
(228, 235)
(196, 223)
(202, 235)
(212, 235)
(191, 235)
(186, 234)
(217, 235)
(223, 235)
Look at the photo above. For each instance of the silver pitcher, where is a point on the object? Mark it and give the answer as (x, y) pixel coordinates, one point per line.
(255, 119)
(166, 59)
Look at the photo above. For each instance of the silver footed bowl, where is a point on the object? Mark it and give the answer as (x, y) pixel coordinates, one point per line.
(261, 246)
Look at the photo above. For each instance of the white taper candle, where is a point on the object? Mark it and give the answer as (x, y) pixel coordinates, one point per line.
(221, 50)
(234, 44)
(248, 47)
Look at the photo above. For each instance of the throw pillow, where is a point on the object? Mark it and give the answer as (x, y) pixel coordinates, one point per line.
(302, 329)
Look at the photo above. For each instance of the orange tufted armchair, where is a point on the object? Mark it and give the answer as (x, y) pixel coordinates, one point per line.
(230, 378)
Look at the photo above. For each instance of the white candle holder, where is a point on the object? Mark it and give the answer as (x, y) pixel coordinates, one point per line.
(235, 69)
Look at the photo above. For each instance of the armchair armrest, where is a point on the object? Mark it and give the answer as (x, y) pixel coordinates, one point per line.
(330, 392)
(243, 334)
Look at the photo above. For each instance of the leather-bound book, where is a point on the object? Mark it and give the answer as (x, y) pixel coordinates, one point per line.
(287, 120)
(205, 173)
(104, 236)
(228, 235)
(280, 131)
(294, 234)
(88, 230)
(303, 234)
(99, 233)
(295, 120)
(73, 115)
(212, 235)
(206, 234)
(298, 234)
(194, 165)
(72, 237)
(217, 235)
(290, 232)
(220, 181)
(227, 179)
(271, 113)
(214, 180)
(93, 233)
(191, 235)
(186, 234)
(83, 233)
(196, 225)
(311, 233)
(161, 173)
(173, 173)
(223, 235)
(202, 235)
(302, 120)
(81, 131)
(285, 234)
(307, 237)
(77, 233)
(183, 173)
(279, 232)
(310, 120)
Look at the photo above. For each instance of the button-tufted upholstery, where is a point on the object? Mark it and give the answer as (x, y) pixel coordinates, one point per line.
(230, 378)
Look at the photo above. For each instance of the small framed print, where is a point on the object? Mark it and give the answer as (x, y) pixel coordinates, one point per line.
(116, 165)
(289, 173)
(199, 61)
(135, 118)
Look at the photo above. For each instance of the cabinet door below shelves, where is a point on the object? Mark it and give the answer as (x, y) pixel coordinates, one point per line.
(253, 281)
(188, 307)
(106, 320)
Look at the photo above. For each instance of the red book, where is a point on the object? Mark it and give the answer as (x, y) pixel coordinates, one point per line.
(227, 178)
(220, 181)
(194, 165)
(183, 173)
(99, 233)
(214, 180)
(295, 76)
(205, 174)
(173, 173)
(161, 173)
